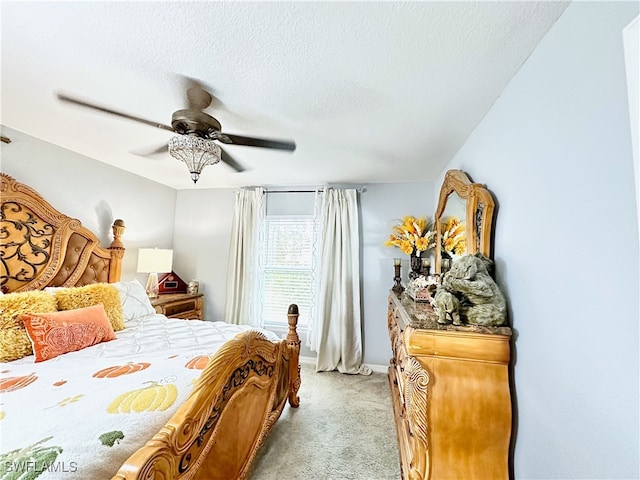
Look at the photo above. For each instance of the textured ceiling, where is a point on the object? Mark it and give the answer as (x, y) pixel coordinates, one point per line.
(370, 92)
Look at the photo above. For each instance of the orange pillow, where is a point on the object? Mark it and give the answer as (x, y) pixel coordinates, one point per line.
(53, 334)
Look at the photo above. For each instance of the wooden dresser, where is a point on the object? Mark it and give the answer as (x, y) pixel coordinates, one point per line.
(180, 305)
(451, 396)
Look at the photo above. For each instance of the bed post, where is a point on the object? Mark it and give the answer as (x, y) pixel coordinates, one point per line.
(117, 251)
(293, 343)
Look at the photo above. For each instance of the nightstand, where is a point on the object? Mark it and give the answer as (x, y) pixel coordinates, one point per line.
(180, 305)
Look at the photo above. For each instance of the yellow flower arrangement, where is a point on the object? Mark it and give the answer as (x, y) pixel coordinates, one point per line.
(454, 239)
(412, 235)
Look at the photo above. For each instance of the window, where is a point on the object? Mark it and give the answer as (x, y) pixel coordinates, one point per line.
(287, 273)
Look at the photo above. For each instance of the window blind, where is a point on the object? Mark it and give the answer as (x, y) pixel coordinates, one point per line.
(287, 268)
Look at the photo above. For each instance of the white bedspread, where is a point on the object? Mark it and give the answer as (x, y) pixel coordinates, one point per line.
(70, 423)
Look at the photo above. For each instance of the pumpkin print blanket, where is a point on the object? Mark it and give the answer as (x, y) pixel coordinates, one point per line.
(82, 414)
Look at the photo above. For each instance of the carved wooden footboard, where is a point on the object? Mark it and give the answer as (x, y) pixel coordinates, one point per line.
(216, 433)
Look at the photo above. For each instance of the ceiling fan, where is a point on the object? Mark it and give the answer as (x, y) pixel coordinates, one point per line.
(196, 131)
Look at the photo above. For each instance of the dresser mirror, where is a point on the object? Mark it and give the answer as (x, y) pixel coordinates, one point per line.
(470, 203)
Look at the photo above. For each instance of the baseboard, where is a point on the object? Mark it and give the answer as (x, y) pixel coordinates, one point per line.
(379, 368)
(376, 368)
(308, 360)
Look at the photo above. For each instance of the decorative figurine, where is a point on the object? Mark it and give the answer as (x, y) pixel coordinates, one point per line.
(193, 287)
(447, 306)
(480, 300)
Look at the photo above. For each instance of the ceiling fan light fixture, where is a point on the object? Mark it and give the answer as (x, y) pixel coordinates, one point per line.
(196, 152)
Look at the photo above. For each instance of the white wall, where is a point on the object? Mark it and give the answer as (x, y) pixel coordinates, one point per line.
(94, 193)
(381, 205)
(556, 151)
(201, 239)
(630, 35)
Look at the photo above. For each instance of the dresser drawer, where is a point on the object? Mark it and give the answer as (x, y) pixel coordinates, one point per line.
(188, 307)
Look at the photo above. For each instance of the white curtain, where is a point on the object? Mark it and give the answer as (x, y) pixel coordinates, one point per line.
(336, 332)
(246, 234)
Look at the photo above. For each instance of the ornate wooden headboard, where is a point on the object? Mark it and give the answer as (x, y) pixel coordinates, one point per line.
(41, 247)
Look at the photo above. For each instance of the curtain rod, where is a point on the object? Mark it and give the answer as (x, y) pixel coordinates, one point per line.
(291, 191)
(360, 190)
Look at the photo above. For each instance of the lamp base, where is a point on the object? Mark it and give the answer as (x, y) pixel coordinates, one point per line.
(152, 286)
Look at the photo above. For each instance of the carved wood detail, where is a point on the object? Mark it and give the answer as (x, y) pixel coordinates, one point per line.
(236, 395)
(26, 243)
(36, 238)
(293, 349)
(478, 213)
(416, 397)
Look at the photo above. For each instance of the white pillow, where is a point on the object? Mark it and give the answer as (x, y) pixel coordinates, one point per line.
(135, 302)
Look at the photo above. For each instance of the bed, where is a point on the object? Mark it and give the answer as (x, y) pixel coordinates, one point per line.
(164, 399)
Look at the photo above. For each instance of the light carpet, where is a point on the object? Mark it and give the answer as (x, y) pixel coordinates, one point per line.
(343, 430)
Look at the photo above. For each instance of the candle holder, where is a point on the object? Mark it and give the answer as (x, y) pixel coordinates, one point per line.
(426, 267)
(445, 265)
(397, 286)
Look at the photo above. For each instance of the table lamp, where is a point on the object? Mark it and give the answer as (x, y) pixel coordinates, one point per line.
(154, 261)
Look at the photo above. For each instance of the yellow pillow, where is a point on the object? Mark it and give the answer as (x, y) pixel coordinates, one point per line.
(93, 294)
(53, 334)
(14, 341)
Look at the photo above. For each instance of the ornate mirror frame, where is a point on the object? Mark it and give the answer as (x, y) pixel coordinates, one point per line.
(479, 213)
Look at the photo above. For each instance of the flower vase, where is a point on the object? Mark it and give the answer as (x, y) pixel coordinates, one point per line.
(416, 266)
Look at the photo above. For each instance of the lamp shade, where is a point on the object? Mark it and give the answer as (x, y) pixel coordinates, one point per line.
(155, 260)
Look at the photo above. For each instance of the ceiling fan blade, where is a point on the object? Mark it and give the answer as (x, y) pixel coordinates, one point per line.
(228, 159)
(256, 142)
(82, 103)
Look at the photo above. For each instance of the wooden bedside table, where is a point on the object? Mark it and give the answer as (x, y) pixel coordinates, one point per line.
(180, 305)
